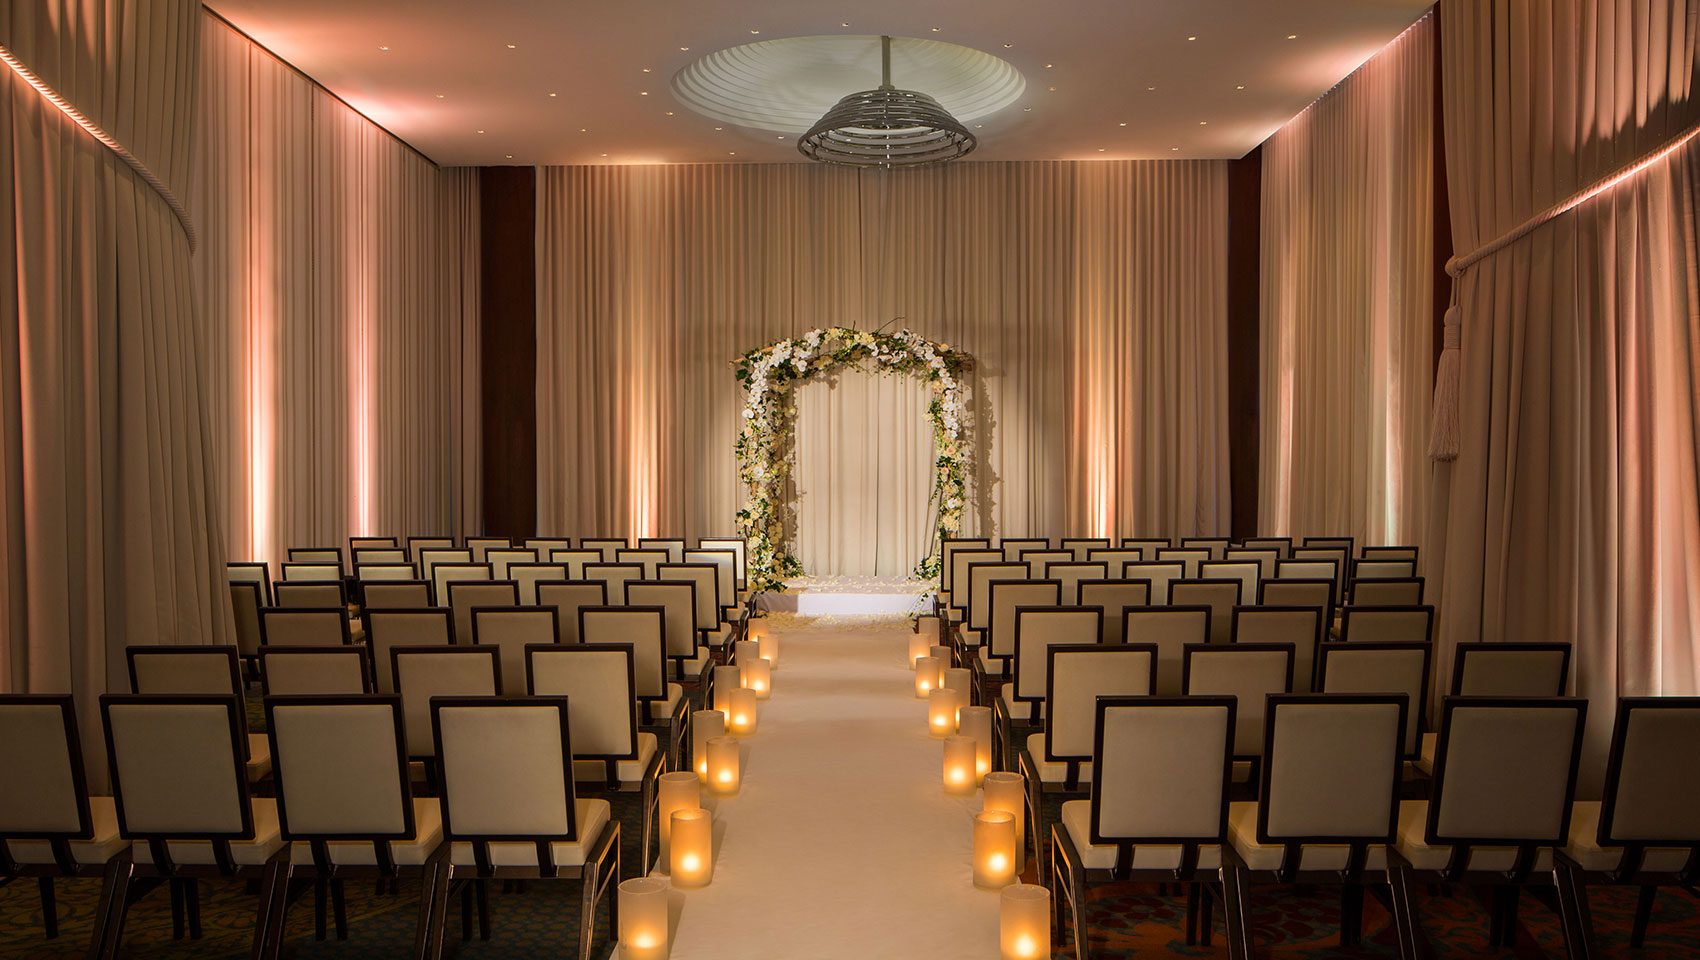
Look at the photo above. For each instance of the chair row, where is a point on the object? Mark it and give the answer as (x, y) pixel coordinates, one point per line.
(181, 808)
(379, 550)
(1502, 811)
(1216, 548)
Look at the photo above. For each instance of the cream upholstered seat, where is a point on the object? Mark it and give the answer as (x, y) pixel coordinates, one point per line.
(512, 629)
(710, 613)
(172, 669)
(414, 851)
(416, 546)
(1071, 574)
(662, 706)
(615, 576)
(1387, 592)
(1216, 547)
(1220, 595)
(1388, 552)
(568, 597)
(1503, 670)
(1407, 624)
(101, 843)
(1035, 630)
(1281, 545)
(1328, 803)
(1144, 548)
(1159, 805)
(1170, 629)
(404, 627)
(1300, 626)
(1048, 772)
(1115, 596)
(393, 595)
(317, 572)
(464, 595)
(948, 569)
(510, 807)
(1013, 547)
(1505, 776)
(1080, 546)
(340, 670)
(1250, 672)
(1291, 592)
(182, 800)
(385, 555)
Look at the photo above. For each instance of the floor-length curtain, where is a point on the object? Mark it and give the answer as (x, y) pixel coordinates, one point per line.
(1091, 295)
(1347, 304)
(1570, 512)
(110, 532)
(333, 278)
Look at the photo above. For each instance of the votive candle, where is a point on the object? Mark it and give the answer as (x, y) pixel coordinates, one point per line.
(1024, 922)
(726, 680)
(959, 765)
(679, 790)
(758, 676)
(994, 849)
(975, 723)
(1007, 791)
(942, 705)
(920, 645)
(960, 679)
(693, 848)
(926, 676)
(705, 726)
(769, 646)
(741, 719)
(643, 930)
(723, 774)
(941, 653)
(745, 651)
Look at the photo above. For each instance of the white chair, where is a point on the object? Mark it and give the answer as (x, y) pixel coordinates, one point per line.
(574, 561)
(393, 595)
(1411, 624)
(314, 671)
(49, 825)
(422, 673)
(568, 597)
(732, 607)
(1300, 626)
(607, 546)
(615, 576)
(1250, 672)
(674, 548)
(310, 593)
(608, 747)
(1281, 545)
(366, 573)
(545, 548)
(977, 600)
(345, 802)
(1299, 593)
(1081, 546)
(528, 575)
(1504, 779)
(173, 669)
(1036, 629)
(1038, 560)
(312, 571)
(327, 555)
(1169, 629)
(1159, 572)
(735, 544)
(1146, 547)
(663, 707)
(1265, 558)
(254, 571)
(182, 800)
(246, 602)
(378, 555)
(513, 630)
(1246, 572)
(1217, 546)
(501, 558)
(1221, 596)
(1328, 810)
(1383, 569)
(953, 597)
(405, 627)
(1311, 569)
(1014, 548)
(510, 810)
(690, 661)
(1071, 574)
(1115, 596)
(1503, 669)
(1340, 556)
(480, 547)
(1645, 829)
(430, 558)
(464, 595)
(445, 574)
(417, 545)
(1389, 553)
(994, 657)
(649, 560)
(947, 551)
(1159, 806)
(1189, 558)
(711, 622)
(1387, 592)
(1330, 543)
(1369, 667)
(371, 543)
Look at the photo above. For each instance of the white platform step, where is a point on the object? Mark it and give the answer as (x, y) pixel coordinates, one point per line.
(850, 596)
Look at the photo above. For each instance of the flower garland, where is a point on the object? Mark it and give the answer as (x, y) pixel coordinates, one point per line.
(766, 454)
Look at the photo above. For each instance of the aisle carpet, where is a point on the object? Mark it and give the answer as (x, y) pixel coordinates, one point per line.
(1128, 920)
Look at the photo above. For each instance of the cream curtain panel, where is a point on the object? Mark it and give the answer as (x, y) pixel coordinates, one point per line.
(1092, 295)
(1347, 304)
(333, 272)
(1570, 512)
(109, 534)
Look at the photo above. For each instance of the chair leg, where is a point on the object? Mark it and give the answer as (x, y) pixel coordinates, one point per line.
(109, 913)
(483, 889)
(49, 909)
(192, 907)
(175, 889)
(339, 909)
(1578, 936)
(1643, 916)
(1206, 923)
(1236, 912)
(466, 910)
(1191, 914)
(587, 910)
(320, 892)
(1351, 914)
(1509, 924)
(1077, 883)
(274, 906)
(422, 925)
(436, 927)
(1404, 918)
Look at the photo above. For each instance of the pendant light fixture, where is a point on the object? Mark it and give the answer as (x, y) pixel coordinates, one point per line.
(886, 127)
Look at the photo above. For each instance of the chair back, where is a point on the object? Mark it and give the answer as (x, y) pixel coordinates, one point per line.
(674, 548)
(644, 629)
(1188, 557)
(1115, 597)
(616, 576)
(252, 571)
(501, 558)
(706, 577)
(1314, 568)
(649, 560)
(1075, 677)
(607, 546)
(1387, 592)
(1411, 624)
(1300, 626)
(1159, 572)
(429, 558)
(1505, 771)
(1160, 773)
(294, 671)
(678, 601)
(1248, 671)
(433, 671)
(1081, 546)
(371, 543)
(480, 547)
(513, 630)
(331, 555)
(1389, 553)
(1014, 547)
(1331, 769)
(46, 795)
(507, 771)
(404, 627)
(1370, 667)
(1340, 556)
(596, 680)
(1298, 593)
(1217, 546)
(725, 573)
(379, 555)
(734, 544)
(1169, 629)
(1071, 574)
(246, 601)
(528, 575)
(961, 558)
(1220, 595)
(178, 768)
(1245, 571)
(1147, 548)
(340, 763)
(418, 545)
(311, 571)
(1037, 629)
(948, 548)
(568, 597)
(305, 626)
(544, 548)
(1652, 797)
(1005, 597)
(445, 575)
(574, 561)
(979, 596)
(1266, 559)
(1038, 560)
(388, 572)
(464, 595)
(170, 669)
(1510, 669)
(394, 595)
(1382, 569)
(310, 593)
(1281, 545)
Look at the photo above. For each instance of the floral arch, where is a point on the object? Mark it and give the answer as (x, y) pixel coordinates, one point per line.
(766, 452)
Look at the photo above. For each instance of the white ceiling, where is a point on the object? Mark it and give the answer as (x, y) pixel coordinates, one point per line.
(1090, 66)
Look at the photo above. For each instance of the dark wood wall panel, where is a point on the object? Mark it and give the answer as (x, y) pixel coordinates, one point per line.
(1245, 226)
(508, 348)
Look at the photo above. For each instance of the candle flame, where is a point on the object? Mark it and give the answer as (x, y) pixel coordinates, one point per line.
(1024, 946)
(725, 776)
(997, 862)
(644, 940)
(690, 861)
(957, 775)
(702, 769)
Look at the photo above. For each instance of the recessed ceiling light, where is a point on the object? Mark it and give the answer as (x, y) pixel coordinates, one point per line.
(513, 46)
(978, 125)
(684, 48)
(645, 69)
(731, 153)
(755, 31)
(441, 96)
(780, 137)
(719, 128)
(1152, 87)
(1026, 109)
(845, 24)
(1123, 123)
(1240, 87)
(480, 131)
(935, 29)
(383, 47)
(604, 154)
(643, 93)
(669, 113)
(1053, 89)
(510, 156)
(1192, 38)
(1203, 122)
(1008, 45)
(1292, 36)
(1049, 66)
(582, 130)
(1102, 149)
(1174, 148)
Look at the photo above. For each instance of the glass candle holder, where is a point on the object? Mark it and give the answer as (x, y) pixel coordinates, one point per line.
(959, 765)
(941, 653)
(705, 726)
(960, 679)
(693, 848)
(741, 719)
(745, 651)
(769, 646)
(976, 724)
(757, 627)
(920, 645)
(758, 677)
(994, 849)
(723, 775)
(1024, 922)
(1007, 791)
(679, 790)
(726, 680)
(643, 919)
(942, 705)
(927, 626)
(926, 676)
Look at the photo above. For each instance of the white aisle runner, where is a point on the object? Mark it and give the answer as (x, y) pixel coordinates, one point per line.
(842, 843)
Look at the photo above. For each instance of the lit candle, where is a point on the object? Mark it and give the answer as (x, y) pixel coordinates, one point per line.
(769, 643)
(927, 626)
(960, 679)
(1007, 791)
(959, 765)
(994, 849)
(758, 676)
(745, 651)
(693, 848)
(942, 705)
(920, 645)
(1024, 922)
(726, 680)
(975, 723)
(757, 627)
(741, 719)
(680, 790)
(705, 726)
(926, 676)
(941, 653)
(723, 766)
(643, 919)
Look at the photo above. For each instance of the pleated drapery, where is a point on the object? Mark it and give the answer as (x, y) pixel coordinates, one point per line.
(1571, 511)
(335, 275)
(110, 533)
(1091, 295)
(1347, 304)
